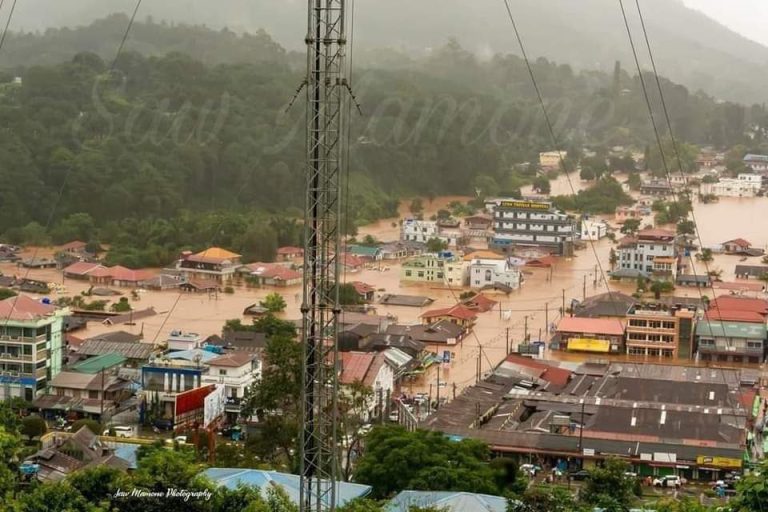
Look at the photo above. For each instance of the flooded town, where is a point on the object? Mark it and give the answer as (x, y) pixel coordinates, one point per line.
(518, 272)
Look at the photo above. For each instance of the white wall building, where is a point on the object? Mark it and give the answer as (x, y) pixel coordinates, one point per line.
(746, 185)
(484, 272)
(235, 371)
(651, 251)
(592, 229)
(414, 230)
(179, 340)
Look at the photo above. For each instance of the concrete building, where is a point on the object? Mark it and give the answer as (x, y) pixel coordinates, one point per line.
(601, 335)
(214, 263)
(413, 230)
(745, 185)
(731, 341)
(31, 346)
(651, 253)
(758, 163)
(662, 419)
(489, 273)
(551, 159)
(236, 371)
(430, 268)
(531, 223)
(656, 330)
(593, 229)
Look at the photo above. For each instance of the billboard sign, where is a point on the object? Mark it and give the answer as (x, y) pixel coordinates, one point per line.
(214, 405)
(192, 400)
(526, 205)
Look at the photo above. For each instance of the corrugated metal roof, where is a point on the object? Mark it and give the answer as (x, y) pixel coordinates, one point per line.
(591, 325)
(731, 329)
(447, 501)
(98, 363)
(291, 484)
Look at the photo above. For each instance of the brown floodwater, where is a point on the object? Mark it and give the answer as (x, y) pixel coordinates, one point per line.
(537, 302)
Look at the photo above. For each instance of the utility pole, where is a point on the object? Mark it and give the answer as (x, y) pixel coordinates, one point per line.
(584, 288)
(327, 88)
(546, 317)
(581, 429)
(438, 385)
(525, 337)
(594, 283)
(563, 311)
(507, 340)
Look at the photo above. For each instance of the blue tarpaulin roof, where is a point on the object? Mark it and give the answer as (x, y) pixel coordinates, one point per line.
(232, 477)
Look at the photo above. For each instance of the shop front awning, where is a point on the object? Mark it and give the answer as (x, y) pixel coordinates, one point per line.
(589, 345)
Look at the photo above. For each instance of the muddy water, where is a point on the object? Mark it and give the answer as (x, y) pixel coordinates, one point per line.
(535, 304)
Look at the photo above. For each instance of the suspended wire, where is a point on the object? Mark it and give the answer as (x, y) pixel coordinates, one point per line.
(348, 129)
(7, 23)
(677, 155)
(125, 36)
(675, 147)
(555, 141)
(659, 143)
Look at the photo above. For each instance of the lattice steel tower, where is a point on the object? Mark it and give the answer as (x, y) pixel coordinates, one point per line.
(327, 96)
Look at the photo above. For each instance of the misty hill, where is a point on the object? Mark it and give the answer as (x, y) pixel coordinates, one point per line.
(588, 34)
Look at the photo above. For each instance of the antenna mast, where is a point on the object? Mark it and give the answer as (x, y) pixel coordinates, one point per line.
(327, 86)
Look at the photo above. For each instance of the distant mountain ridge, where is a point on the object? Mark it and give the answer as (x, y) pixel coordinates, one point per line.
(689, 47)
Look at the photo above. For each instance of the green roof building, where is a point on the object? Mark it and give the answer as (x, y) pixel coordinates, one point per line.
(99, 363)
(731, 341)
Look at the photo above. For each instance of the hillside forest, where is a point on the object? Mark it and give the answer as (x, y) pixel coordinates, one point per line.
(164, 151)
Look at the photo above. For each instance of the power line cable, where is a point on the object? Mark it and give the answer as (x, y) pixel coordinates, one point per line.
(675, 145)
(553, 137)
(7, 23)
(660, 145)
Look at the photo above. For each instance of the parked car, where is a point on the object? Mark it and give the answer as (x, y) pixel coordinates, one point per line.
(669, 481)
(163, 424)
(119, 431)
(579, 475)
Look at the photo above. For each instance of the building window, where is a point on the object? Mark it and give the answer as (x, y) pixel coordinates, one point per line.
(488, 275)
(222, 372)
(421, 273)
(408, 273)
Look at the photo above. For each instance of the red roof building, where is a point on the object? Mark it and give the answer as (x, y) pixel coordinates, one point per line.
(74, 246)
(732, 315)
(607, 326)
(458, 314)
(367, 368)
(24, 308)
(80, 270)
(556, 376)
(480, 303)
(730, 303)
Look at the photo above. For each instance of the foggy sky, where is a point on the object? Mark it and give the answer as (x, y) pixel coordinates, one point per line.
(747, 17)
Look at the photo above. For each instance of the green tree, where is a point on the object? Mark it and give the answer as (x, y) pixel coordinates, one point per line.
(33, 426)
(706, 255)
(587, 173)
(274, 302)
(416, 207)
(686, 227)
(630, 226)
(436, 245)
(396, 459)
(121, 306)
(542, 498)
(6, 293)
(348, 295)
(609, 487)
(541, 185)
(752, 491)
(54, 497)
(634, 181)
(99, 483)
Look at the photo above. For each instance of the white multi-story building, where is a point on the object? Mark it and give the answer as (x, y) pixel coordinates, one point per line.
(414, 230)
(652, 253)
(551, 159)
(236, 371)
(746, 185)
(758, 163)
(493, 272)
(593, 229)
(532, 223)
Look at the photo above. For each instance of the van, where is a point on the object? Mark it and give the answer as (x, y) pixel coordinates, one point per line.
(120, 431)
